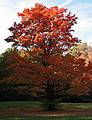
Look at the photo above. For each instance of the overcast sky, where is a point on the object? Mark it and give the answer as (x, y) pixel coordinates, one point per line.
(82, 9)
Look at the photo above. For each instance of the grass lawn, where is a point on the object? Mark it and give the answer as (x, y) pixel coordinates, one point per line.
(48, 118)
(36, 105)
(20, 104)
(76, 105)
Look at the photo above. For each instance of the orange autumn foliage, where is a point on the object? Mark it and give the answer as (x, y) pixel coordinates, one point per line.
(70, 73)
(46, 28)
(45, 35)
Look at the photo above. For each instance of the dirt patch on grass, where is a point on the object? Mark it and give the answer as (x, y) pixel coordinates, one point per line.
(27, 112)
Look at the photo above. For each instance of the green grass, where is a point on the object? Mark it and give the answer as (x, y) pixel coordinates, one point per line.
(76, 105)
(36, 104)
(20, 104)
(48, 118)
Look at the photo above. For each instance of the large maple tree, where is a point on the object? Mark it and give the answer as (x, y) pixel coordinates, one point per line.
(45, 35)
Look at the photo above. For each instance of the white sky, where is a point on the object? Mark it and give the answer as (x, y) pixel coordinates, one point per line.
(9, 9)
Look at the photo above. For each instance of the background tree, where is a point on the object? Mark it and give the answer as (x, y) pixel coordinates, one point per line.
(4, 72)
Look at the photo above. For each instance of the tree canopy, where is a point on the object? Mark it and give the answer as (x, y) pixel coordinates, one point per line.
(44, 34)
(47, 29)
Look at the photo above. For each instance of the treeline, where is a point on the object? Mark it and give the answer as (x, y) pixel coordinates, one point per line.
(21, 79)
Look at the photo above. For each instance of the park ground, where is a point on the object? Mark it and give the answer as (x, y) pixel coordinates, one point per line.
(31, 110)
